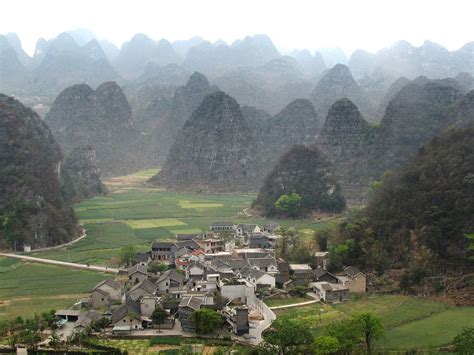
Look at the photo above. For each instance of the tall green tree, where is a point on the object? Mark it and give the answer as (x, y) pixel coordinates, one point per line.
(158, 317)
(287, 336)
(371, 328)
(289, 204)
(346, 332)
(127, 254)
(206, 320)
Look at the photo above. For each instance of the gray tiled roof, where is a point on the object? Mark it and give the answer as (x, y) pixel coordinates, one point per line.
(352, 271)
(128, 308)
(146, 285)
(109, 282)
(137, 268)
(262, 262)
(222, 224)
(191, 302)
(248, 271)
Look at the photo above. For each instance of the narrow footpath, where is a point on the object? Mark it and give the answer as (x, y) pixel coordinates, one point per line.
(89, 267)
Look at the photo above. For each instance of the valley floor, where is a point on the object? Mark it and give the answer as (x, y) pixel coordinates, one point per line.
(136, 214)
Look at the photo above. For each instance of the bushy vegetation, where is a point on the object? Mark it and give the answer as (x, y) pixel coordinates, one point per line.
(417, 217)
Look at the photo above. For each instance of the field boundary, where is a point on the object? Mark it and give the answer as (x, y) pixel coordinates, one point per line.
(95, 268)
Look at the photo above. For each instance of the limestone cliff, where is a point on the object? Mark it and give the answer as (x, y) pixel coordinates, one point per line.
(32, 209)
(212, 150)
(81, 116)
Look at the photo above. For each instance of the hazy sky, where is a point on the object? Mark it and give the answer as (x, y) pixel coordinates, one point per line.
(351, 24)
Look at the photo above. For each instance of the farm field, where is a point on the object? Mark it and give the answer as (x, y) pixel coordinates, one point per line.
(136, 214)
(26, 288)
(286, 301)
(410, 323)
(174, 345)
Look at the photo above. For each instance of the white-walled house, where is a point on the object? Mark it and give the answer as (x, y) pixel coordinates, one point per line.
(256, 277)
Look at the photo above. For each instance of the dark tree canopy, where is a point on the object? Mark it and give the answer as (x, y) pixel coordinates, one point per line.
(305, 171)
(32, 208)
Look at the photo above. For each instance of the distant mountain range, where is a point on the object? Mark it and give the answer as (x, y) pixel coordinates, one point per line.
(252, 64)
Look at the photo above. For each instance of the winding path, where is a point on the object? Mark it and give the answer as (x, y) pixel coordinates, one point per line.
(95, 268)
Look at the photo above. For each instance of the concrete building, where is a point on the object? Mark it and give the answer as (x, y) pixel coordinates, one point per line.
(355, 280)
(161, 251)
(241, 290)
(222, 227)
(257, 277)
(330, 293)
(237, 316)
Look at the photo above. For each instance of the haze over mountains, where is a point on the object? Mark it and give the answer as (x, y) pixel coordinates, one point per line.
(219, 117)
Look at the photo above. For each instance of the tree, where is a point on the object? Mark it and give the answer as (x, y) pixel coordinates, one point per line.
(286, 335)
(322, 238)
(289, 204)
(158, 317)
(127, 254)
(371, 328)
(157, 266)
(464, 341)
(101, 324)
(346, 332)
(206, 320)
(326, 345)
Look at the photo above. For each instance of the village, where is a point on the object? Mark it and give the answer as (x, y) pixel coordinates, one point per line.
(229, 270)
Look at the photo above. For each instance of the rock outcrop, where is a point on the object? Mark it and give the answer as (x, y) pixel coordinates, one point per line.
(342, 135)
(63, 62)
(211, 151)
(297, 123)
(82, 175)
(81, 116)
(420, 110)
(140, 51)
(393, 90)
(336, 84)
(306, 171)
(32, 209)
(13, 73)
(343, 140)
(186, 99)
(213, 58)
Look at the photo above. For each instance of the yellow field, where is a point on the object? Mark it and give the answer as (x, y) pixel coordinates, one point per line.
(153, 223)
(189, 204)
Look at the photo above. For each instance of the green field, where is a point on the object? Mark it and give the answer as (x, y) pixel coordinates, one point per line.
(136, 214)
(410, 323)
(286, 301)
(26, 289)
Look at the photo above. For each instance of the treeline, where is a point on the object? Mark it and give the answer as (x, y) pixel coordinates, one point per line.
(418, 217)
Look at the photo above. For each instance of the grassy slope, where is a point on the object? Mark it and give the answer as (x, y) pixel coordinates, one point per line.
(27, 288)
(409, 322)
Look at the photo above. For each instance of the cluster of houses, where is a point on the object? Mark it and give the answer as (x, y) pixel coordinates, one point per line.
(208, 270)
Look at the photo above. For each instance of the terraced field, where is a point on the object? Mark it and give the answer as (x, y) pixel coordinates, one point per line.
(410, 322)
(26, 289)
(136, 214)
